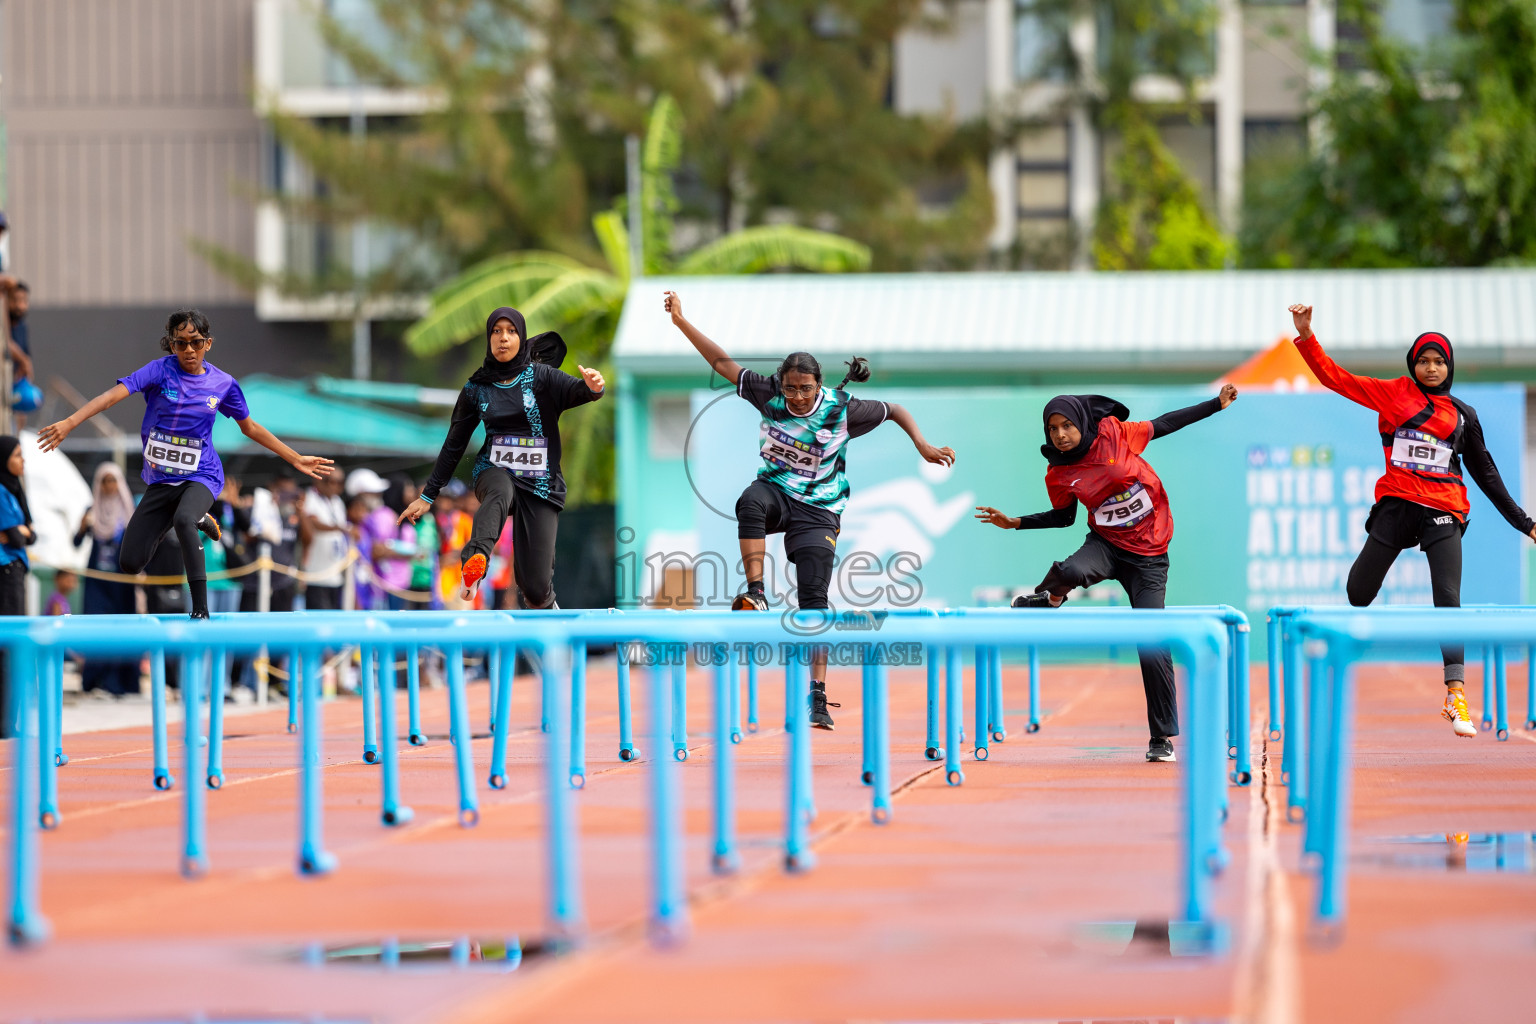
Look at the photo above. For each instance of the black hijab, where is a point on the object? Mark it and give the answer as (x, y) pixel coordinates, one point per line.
(394, 494)
(547, 348)
(1440, 343)
(1084, 412)
(11, 481)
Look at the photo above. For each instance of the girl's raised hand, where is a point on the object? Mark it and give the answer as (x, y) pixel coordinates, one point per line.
(673, 305)
(1301, 316)
(313, 466)
(1228, 395)
(592, 377)
(939, 456)
(988, 514)
(415, 510)
(53, 435)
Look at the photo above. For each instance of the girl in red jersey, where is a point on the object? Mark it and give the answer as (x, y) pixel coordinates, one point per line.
(1426, 434)
(1095, 457)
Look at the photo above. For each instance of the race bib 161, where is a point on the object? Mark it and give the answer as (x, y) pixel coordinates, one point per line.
(1419, 452)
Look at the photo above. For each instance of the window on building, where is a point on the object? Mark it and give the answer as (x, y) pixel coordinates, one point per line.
(1039, 43)
(1043, 169)
(1272, 141)
(668, 424)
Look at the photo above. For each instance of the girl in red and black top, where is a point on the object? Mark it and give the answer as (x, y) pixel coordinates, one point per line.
(1095, 455)
(1426, 438)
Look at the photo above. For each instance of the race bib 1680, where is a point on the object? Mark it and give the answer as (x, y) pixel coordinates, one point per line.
(521, 456)
(1124, 509)
(172, 454)
(1419, 452)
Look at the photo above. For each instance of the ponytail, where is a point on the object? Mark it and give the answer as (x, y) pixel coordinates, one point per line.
(858, 372)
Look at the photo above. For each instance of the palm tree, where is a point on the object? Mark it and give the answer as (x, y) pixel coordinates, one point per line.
(556, 292)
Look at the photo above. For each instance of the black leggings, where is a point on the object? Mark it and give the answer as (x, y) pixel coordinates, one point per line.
(1444, 554)
(535, 522)
(1145, 579)
(178, 507)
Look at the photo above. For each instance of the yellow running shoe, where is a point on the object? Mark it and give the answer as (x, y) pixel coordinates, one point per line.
(473, 573)
(1455, 711)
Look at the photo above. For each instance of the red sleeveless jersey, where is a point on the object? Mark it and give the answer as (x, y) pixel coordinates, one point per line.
(1421, 434)
(1124, 497)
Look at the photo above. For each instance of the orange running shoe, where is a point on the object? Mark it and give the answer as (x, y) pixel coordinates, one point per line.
(1455, 711)
(473, 573)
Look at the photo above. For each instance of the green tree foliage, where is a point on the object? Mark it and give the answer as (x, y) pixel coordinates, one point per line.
(1426, 157)
(788, 114)
(1151, 216)
(583, 302)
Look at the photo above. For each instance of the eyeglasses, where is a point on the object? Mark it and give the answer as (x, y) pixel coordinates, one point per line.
(807, 389)
(192, 344)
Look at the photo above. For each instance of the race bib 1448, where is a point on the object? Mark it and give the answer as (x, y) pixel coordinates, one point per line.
(521, 456)
(173, 454)
(1124, 509)
(796, 456)
(1420, 452)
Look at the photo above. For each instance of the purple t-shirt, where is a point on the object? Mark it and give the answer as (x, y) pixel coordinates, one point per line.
(178, 420)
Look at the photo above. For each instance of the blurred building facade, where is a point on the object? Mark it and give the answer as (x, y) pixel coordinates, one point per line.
(130, 139)
(1251, 94)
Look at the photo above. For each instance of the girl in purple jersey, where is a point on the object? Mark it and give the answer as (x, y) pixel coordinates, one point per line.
(182, 393)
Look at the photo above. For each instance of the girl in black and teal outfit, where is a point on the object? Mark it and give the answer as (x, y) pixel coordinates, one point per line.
(519, 394)
(801, 489)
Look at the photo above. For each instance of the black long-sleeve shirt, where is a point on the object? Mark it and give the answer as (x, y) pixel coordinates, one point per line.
(528, 408)
(1480, 465)
(1162, 426)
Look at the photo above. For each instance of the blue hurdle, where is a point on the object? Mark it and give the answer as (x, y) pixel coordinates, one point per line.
(1200, 640)
(1335, 640)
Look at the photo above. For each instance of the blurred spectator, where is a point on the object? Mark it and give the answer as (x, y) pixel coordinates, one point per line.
(231, 551)
(365, 490)
(63, 585)
(103, 522)
(25, 395)
(391, 547)
(15, 535)
(288, 498)
(500, 575)
(325, 533)
(453, 526)
(424, 566)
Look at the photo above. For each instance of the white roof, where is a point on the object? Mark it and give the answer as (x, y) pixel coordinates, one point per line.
(1053, 321)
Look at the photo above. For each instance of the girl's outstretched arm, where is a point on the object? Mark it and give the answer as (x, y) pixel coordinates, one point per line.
(310, 465)
(713, 354)
(1485, 471)
(1370, 392)
(53, 435)
(1054, 519)
(903, 419)
(1178, 419)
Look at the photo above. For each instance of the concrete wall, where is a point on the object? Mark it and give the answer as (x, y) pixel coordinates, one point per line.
(130, 132)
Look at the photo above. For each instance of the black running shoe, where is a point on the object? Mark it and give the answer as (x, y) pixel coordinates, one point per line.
(199, 615)
(748, 601)
(820, 719)
(1161, 749)
(1039, 599)
(209, 527)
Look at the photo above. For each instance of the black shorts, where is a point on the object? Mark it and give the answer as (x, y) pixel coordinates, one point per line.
(763, 509)
(1401, 524)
